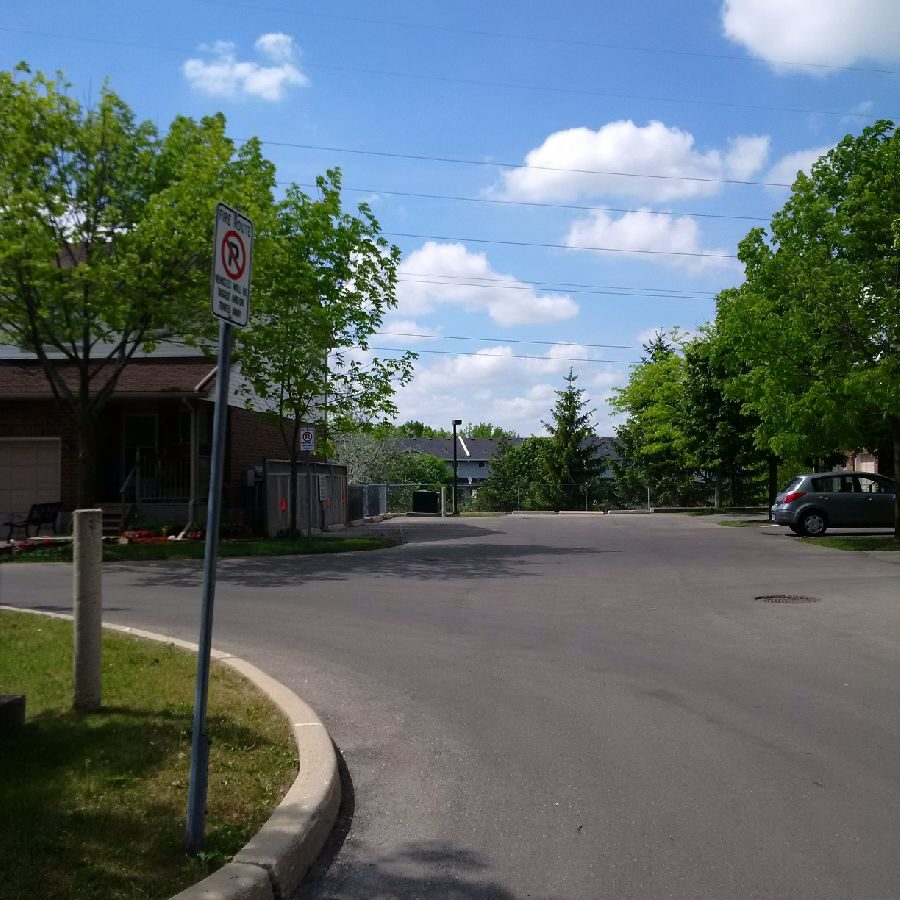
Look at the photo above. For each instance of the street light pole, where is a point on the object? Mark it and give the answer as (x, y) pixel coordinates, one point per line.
(455, 464)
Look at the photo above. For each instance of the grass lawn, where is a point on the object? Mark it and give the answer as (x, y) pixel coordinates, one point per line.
(196, 549)
(855, 542)
(744, 523)
(94, 805)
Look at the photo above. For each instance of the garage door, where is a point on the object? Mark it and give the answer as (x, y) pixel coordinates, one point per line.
(29, 473)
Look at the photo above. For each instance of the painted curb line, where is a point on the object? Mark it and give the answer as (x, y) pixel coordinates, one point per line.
(272, 864)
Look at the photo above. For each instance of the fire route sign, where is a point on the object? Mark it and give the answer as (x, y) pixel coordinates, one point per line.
(232, 263)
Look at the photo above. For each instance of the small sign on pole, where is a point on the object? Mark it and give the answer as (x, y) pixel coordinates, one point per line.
(232, 264)
(230, 291)
(308, 440)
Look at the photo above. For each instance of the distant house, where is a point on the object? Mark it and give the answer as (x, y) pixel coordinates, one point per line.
(474, 454)
(154, 439)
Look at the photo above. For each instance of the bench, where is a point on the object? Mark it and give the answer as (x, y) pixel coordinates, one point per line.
(39, 515)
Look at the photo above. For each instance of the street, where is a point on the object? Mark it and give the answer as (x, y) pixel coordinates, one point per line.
(573, 707)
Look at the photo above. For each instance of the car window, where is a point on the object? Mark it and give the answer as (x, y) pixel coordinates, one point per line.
(794, 484)
(827, 484)
(870, 485)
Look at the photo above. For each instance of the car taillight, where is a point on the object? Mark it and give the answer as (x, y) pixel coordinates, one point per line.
(793, 495)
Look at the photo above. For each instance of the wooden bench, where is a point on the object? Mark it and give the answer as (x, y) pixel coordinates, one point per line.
(39, 515)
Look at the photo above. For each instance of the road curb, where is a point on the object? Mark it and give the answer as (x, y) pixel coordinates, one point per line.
(273, 862)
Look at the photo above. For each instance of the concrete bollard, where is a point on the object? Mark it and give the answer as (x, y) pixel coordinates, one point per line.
(87, 603)
(443, 500)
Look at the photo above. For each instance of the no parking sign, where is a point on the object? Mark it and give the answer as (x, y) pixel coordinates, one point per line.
(232, 263)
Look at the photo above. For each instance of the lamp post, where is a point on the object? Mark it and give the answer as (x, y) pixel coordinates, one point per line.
(455, 463)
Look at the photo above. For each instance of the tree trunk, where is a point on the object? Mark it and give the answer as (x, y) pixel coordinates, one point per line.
(717, 497)
(773, 481)
(294, 496)
(895, 434)
(87, 460)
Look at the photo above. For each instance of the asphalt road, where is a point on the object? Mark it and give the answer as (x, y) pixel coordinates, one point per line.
(574, 708)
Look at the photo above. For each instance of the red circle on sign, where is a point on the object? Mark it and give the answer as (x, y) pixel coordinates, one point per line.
(234, 256)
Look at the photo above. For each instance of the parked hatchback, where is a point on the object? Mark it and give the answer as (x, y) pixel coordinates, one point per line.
(812, 503)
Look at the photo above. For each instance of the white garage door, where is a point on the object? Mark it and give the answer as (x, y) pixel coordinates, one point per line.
(29, 473)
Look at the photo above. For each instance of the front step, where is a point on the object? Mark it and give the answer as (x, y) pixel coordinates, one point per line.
(112, 518)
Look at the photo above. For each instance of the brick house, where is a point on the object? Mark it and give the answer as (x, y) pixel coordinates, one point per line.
(154, 440)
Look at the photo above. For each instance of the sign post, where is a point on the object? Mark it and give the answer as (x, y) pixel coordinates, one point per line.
(230, 298)
(308, 445)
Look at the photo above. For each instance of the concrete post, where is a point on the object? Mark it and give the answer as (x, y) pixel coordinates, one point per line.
(87, 603)
(443, 499)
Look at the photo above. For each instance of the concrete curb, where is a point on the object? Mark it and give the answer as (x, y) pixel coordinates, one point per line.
(272, 864)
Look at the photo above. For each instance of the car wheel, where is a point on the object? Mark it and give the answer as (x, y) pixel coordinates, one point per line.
(813, 523)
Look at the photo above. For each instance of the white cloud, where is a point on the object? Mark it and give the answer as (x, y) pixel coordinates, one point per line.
(652, 233)
(655, 149)
(223, 75)
(822, 32)
(786, 169)
(494, 385)
(449, 274)
(403, 332)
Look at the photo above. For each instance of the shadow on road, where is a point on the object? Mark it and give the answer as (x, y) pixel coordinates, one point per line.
(475, 561)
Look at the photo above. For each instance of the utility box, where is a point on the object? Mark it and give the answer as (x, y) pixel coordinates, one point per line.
(427, 502)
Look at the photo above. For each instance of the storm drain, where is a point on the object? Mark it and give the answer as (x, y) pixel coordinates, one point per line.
(787, 598)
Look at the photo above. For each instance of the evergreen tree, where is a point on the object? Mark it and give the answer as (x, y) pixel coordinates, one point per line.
(569, 462)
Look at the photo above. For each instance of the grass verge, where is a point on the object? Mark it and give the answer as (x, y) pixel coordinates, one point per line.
(196, 549)
(855, 542)
(94, 805)
(743, 523)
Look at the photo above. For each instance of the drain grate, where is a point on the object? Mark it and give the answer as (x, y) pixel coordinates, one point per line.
(787, 598)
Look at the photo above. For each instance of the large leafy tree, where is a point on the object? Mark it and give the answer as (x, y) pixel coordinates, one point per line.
(487, 430)
(330, 279)
(517, 476)
(815, 328)
(570, 461)
(653, 442)
(106, 236)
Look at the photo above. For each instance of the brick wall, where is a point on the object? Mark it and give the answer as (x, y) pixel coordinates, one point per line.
(43, 418)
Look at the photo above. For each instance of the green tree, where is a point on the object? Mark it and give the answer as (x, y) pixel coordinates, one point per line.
(719, 436)
(486, 430)
(412, 429)
(815, 329)
(330, 280)
(653, 443)
(106, 235)
(516, 478)
(569, 461)
(409, 467)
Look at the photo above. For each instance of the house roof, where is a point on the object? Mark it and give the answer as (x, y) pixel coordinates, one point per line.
(482, 449)
(478, 449)
(25, 379)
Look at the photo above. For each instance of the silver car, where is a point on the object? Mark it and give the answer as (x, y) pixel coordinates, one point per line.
(812, 503)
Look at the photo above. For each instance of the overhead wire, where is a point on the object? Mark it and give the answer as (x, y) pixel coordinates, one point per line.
(545, 39)
(483, 355)
(539, 204)
(470, 82)
(460, 337)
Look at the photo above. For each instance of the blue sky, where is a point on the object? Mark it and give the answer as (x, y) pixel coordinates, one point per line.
(709, 95)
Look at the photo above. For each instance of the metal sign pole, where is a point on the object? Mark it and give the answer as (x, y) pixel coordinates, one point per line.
(196, 816)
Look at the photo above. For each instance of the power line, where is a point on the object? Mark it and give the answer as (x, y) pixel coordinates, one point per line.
(585, 92)
(471, 82)
(575, 206)
(544, 39)
(509, 243)
(459, 282)
(561, 284)
(456, 160)
(620, 362)
(458, 337)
